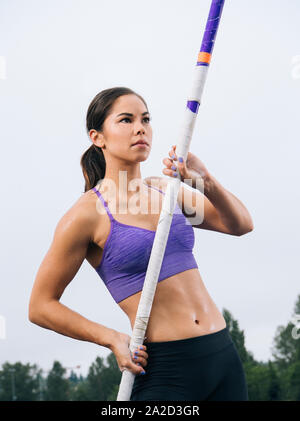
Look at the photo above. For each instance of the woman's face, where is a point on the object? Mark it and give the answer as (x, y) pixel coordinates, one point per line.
(128, 122)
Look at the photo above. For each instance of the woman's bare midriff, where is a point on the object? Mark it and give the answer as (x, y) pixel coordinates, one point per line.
(182, 307)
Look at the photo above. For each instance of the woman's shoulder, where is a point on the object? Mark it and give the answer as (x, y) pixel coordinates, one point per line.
(82, 215)
(157, 182)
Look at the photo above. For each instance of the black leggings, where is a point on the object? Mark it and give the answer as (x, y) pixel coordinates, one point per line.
(203, 368)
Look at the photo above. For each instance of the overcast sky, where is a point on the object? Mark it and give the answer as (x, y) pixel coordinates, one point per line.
(56, 56)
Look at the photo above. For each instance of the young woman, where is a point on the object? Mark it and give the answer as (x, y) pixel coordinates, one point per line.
(188, 351)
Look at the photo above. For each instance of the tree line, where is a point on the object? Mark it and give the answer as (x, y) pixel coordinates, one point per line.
(275, 380)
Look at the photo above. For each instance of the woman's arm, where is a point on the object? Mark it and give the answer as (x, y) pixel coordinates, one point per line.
(63, 260)
(209, 206)
(226, 209)
(60, 265)
(224, 213)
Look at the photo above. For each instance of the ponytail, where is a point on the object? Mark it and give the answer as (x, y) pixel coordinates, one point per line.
(93, 166)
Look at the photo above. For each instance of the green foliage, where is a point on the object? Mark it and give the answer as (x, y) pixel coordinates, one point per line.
(262, 381)
(57, 387)
(102, 381)
(266, 381)
(274, 388)
(293, 382)
(114, 393)
(278, 380)
(238, 337)
(19, 382)
(286, 350)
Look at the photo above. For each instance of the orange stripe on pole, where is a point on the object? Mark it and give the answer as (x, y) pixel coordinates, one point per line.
(204, 57)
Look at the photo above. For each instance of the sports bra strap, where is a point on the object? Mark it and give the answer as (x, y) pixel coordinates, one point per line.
(104, 203)
(156, 189)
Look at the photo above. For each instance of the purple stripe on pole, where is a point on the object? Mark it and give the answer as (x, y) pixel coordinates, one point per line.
(202, 63)
(193, 106)
(212, 26)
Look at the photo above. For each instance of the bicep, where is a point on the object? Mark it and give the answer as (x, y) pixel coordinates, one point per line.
(199, 210)
(196, 207)
(63, 259)
(210, 218)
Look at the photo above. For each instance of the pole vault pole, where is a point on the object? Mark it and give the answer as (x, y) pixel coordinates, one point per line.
(170, 198)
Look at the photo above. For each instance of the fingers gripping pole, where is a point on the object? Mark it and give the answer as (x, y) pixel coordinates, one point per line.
(170, 198)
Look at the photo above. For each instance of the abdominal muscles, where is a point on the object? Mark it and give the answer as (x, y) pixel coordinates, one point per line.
(182, 308)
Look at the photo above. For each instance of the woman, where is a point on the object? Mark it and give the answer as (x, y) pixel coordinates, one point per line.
(189, 353)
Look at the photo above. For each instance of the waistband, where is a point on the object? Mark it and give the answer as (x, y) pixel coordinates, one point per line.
(196, 346)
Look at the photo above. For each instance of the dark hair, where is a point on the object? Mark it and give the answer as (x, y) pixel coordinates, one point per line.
(92, 161)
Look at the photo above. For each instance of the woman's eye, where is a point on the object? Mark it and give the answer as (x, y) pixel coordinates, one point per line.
(126, 118)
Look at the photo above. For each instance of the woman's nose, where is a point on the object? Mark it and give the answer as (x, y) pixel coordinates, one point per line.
(140, 130)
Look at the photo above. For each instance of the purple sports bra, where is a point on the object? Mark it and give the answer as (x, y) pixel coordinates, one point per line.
(127, 252)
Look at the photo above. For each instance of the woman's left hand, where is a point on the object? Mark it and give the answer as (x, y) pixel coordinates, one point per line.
(191, 169)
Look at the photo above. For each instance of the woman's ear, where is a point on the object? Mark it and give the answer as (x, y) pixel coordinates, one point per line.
(97, 138)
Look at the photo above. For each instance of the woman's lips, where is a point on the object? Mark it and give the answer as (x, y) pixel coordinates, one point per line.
(141, 145)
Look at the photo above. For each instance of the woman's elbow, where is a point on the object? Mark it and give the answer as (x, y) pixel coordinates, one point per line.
(33, 314)
(245, 230)
(40, 311)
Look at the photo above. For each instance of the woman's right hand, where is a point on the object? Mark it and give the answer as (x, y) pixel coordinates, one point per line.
(125, 358)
